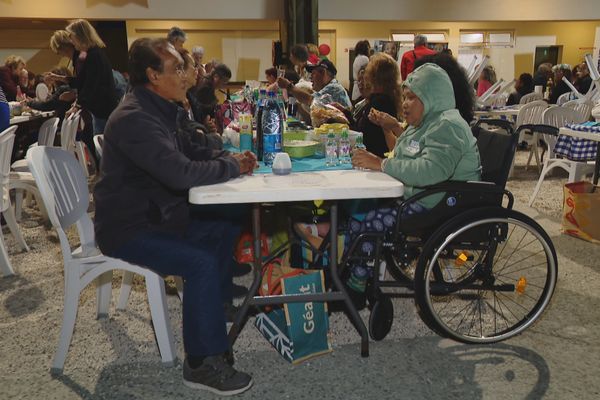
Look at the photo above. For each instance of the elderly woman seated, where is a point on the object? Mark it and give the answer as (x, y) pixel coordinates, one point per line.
(437, 145)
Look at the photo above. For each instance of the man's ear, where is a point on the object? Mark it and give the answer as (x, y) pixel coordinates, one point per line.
(151, 74)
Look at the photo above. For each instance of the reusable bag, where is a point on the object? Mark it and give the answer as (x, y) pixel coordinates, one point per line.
(298, 331)
(581, 211)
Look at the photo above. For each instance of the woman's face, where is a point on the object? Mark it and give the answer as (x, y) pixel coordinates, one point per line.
(412, 108)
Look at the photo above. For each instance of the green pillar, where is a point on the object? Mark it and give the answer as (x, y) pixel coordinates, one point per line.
(301, 24)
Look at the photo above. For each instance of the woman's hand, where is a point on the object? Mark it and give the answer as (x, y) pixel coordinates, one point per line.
(384, 120)
(363, 159)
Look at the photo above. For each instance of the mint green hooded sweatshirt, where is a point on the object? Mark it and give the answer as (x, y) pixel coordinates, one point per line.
(442, 147)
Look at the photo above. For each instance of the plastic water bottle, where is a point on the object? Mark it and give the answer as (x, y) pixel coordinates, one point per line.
(258, 120)
(272, 129)
(344, 148)
(359, 143)
(292, 107)
(331, 157)
(358, 278)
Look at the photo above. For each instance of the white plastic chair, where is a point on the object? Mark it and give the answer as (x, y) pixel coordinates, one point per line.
(558, 117)
(530, 114)
(64, 190)
(529, 97)
(99, 144)
(46, 136)
(7, 139)
(68, 142)
(583, 108)
(565, 97)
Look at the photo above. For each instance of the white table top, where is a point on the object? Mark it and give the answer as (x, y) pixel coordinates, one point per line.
(578, 134)
(24, 118)
(301, 186)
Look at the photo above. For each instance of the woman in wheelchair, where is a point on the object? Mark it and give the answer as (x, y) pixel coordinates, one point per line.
(481, 272)
(437, 146)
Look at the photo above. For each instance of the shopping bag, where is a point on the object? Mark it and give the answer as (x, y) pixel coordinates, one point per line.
(298, 331)
(244, 250)
(581, 211)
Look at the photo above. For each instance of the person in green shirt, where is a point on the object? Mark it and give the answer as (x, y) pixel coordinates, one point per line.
(436, 146)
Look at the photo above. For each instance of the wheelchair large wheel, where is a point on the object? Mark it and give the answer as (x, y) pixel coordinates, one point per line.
(485, 276)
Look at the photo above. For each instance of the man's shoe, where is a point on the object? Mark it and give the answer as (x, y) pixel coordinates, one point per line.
(216, 376)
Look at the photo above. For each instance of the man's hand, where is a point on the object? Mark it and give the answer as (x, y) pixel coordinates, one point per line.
(382, 119)
(210, 124)
(363, 159)
(246, 161)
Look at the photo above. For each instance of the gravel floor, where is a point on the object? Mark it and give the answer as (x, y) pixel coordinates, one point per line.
(117, 357)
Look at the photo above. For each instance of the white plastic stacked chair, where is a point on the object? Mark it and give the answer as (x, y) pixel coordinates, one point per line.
(7, 139)
(565, 97)
(64, 190)
(46, 136)
(99, 144)
(68, 142)
(558, 117)
(530, 114)
(582, 107)
(529, 97)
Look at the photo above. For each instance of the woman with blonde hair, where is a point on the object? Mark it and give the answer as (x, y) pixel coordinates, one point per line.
(61, 44)
(95, 82)
(381, 78)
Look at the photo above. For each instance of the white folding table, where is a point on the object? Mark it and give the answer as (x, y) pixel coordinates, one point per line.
(303, 186)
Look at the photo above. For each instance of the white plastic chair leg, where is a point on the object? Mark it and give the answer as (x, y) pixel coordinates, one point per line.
(103, 292)
(538, 185)
(155, 285)
(5, 266)
(71, 305)
(80, 152)
(125, 290)
(9, 217)
(18, 204)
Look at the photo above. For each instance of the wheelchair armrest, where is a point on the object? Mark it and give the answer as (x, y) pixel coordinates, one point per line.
(458, 187)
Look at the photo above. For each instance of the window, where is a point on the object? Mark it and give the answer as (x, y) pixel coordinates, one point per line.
(486, 38)
(408, 37)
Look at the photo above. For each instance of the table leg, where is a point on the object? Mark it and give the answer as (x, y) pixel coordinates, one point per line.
(337, 283)
(597, 166)
(242, 315)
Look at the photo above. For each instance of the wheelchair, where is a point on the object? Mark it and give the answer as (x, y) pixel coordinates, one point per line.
(481, 272)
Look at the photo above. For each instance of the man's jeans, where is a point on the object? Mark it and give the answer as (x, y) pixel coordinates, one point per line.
(202, 257)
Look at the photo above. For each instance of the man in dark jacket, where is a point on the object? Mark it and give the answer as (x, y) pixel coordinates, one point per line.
(142, 212)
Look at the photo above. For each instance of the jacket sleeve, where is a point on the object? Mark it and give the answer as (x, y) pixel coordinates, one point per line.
(153, 149)
(404, 65)
(436, 162)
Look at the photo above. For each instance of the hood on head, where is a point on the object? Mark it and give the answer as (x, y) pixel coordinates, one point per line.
(433, 87)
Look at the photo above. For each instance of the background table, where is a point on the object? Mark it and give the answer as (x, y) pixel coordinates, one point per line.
(323, 185)
(26, 134)
(590, 136)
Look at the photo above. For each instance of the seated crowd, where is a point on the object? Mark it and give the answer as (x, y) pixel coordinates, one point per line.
(161, 139)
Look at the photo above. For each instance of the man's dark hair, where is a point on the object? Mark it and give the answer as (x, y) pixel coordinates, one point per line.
(222, 71)
(146, 53)
(463, 93)
(300, 52)
(362, 47)
(527, 85)
(292, 76)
